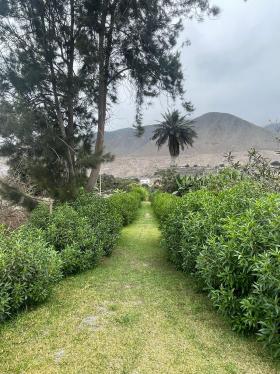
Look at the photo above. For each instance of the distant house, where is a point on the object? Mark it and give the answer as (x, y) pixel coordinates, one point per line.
(145, 182)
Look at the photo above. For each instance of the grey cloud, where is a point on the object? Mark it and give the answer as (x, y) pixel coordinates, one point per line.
(231, 66)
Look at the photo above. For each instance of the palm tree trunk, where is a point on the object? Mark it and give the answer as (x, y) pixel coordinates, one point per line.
(173, 162)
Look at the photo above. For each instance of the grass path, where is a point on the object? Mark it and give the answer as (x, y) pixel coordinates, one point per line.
(134, 314)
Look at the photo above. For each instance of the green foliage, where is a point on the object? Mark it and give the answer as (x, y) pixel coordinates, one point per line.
(163, 204)
(71, 234)
(142, 191)
(257, 168)
(110, 183)
(229, 238)
(103, 217)
(88, 228)
(28, 269)
(40, 217)
(172, 182)
(261, 307)
(240, 269)
(70, 240)
(50, 114)
(177, 131)
(197, 216)
(225, 178)
(127, 204)
(168, 180)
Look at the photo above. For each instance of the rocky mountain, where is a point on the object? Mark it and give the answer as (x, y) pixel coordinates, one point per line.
(217, 133)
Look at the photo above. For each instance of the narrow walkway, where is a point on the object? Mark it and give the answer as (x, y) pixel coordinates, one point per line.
(134, 314)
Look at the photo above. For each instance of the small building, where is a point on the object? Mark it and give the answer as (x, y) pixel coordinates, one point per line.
(145, 182)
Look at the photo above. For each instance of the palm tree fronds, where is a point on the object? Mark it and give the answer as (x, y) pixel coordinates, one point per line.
(177, 130)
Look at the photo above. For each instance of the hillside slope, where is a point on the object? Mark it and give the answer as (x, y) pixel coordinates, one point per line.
(275, 127)
(217, 133)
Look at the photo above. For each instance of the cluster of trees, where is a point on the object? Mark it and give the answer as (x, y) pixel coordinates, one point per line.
(61, 63)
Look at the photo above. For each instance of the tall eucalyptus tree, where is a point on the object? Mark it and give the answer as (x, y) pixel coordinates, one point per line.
(136, 40)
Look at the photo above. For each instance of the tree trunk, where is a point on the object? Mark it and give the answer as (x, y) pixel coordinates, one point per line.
(70, 77)
(102, 106)
(173, 162)
(104, 59)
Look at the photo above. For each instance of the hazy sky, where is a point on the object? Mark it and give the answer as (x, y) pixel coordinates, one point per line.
(232, 65)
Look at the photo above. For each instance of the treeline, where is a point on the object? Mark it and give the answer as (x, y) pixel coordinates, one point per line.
(227, 235)
(50, 246)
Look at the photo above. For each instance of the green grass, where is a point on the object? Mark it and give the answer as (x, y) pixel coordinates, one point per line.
(134, 314)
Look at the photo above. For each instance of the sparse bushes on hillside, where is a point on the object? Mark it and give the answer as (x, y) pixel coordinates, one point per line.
(229, 238)
(258, 168)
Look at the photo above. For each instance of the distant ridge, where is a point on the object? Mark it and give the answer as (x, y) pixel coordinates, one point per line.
(275, 127)
(217, 133)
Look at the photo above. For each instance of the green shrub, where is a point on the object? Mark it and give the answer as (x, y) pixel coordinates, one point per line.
(230, 238)
(40, 217)
(68, 228)
(241, 268)
(103, 217)
(223, 179)
(186, 228)
(68, 241)
(163, 204)
(88, 228)
(198, 216)
(28, 269)
(127, 204)
(109, 183)
(142, 191)
(261, 307)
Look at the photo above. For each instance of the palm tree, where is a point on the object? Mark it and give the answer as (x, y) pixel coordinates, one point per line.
(177, 130)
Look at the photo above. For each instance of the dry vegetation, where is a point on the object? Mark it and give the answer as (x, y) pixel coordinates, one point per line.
(12, 216)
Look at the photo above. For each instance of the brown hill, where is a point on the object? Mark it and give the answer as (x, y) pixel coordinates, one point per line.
(217, 133)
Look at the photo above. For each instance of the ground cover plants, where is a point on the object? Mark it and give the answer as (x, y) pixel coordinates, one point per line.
(228, 236)
(70, 240)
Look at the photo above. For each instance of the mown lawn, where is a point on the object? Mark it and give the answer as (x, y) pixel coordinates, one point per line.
(133, 314)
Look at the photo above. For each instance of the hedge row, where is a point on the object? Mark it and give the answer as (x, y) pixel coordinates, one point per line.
(70, 240)
(162, 204)
(230, 240)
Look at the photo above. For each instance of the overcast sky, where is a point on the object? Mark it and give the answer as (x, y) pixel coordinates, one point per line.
(232, 65)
